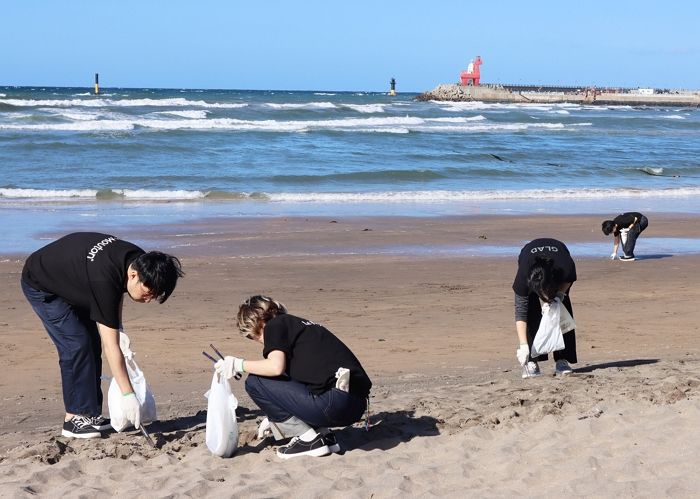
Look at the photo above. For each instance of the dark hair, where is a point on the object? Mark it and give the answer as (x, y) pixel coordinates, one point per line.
(543, 278)
(158, 272)
(608, 227)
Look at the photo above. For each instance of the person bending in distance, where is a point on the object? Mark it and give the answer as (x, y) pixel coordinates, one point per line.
(545, 271)
(76, 286)
(307, 381)
(626, 227)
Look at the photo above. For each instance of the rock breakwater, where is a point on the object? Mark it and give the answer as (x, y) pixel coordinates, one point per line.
(494, 93)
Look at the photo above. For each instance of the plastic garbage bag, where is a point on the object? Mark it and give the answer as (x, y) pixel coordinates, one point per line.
(624, 234)
(342, 376)
(549, 337)
(141, 390)
(222, 427)
(566, 322)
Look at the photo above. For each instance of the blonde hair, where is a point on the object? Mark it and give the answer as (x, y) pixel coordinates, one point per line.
(255, 312)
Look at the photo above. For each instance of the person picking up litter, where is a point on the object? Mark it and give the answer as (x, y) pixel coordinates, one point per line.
(626, 227)
(307, 382)
(76, 286)
(546, 272)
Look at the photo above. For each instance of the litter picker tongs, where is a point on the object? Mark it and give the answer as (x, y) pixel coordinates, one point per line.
(236, 376)
(147, 437)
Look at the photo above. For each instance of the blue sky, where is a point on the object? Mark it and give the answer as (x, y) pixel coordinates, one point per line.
(352, 45)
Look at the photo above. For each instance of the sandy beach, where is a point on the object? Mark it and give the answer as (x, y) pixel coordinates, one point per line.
(433, 327)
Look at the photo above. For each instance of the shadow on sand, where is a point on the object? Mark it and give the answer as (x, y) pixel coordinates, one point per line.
(656, 256)
(616, 364)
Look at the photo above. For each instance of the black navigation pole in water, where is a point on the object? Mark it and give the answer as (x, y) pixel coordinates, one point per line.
(97, 83)
(392, 84)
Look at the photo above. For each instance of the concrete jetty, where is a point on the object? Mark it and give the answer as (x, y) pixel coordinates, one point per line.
(553, 95)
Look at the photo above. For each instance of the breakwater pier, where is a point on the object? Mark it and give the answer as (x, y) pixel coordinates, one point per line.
(556, 95)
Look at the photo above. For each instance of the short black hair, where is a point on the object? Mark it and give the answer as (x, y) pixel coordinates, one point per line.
(543, 278)
(608, 227)
(159, 272)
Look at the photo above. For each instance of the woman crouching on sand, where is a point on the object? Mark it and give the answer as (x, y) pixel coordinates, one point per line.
(545, 271)
(307, 382)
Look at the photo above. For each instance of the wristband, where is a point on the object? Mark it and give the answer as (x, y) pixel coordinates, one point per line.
(128, 393)
(243, 365)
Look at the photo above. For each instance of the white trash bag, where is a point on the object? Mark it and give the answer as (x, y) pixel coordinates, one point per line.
(549, 337)
(222, 427)
(141, 390)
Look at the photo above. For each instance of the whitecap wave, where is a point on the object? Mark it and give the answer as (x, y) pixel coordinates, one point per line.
(379, 124)
(101, 102)
(366, 108)
(66, 194)
(505, 106)
(78, 126)
(495, 195)
(301, 105)
(191, 114)
(431, 197)
(47, 193)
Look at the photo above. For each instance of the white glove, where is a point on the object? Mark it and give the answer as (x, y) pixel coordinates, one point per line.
(228, 366)
(523, 353)
(131, 409)
(264, 429)
(613, 256)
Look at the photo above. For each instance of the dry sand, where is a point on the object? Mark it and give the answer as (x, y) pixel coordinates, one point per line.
(451, 416)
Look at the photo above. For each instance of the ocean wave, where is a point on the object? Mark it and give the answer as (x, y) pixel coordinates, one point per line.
(80, 126)
(404, 124)
(418, 196)
(191, 114)
(673, 117)
(301, 105)
(495, 195)
(486, 106)
(12, 193)
(101, 102)
(105, 194)
(366, 108)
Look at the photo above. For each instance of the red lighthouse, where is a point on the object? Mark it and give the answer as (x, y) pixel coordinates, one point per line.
(472, 75)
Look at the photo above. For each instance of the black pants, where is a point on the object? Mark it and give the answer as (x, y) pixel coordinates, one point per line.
(534, 316)
(633, 234)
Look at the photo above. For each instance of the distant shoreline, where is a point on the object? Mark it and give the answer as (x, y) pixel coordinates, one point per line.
(590, 96)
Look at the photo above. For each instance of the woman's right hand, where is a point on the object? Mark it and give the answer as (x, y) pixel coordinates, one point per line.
(523, 353)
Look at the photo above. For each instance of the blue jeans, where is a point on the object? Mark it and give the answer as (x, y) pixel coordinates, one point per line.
(281, 398)
(79, 350)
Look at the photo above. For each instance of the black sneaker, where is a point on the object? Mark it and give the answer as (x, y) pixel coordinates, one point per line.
(332, 443)
(297, 447)
(100, 423)
(624, 258)
(80, 427)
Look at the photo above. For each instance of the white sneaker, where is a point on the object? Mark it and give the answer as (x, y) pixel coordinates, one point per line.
(562, 368)
(531, 370)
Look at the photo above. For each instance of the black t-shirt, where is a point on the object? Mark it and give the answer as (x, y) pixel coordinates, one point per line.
(624, 220)
(544, 247)
(313, 354)
(87, 269)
